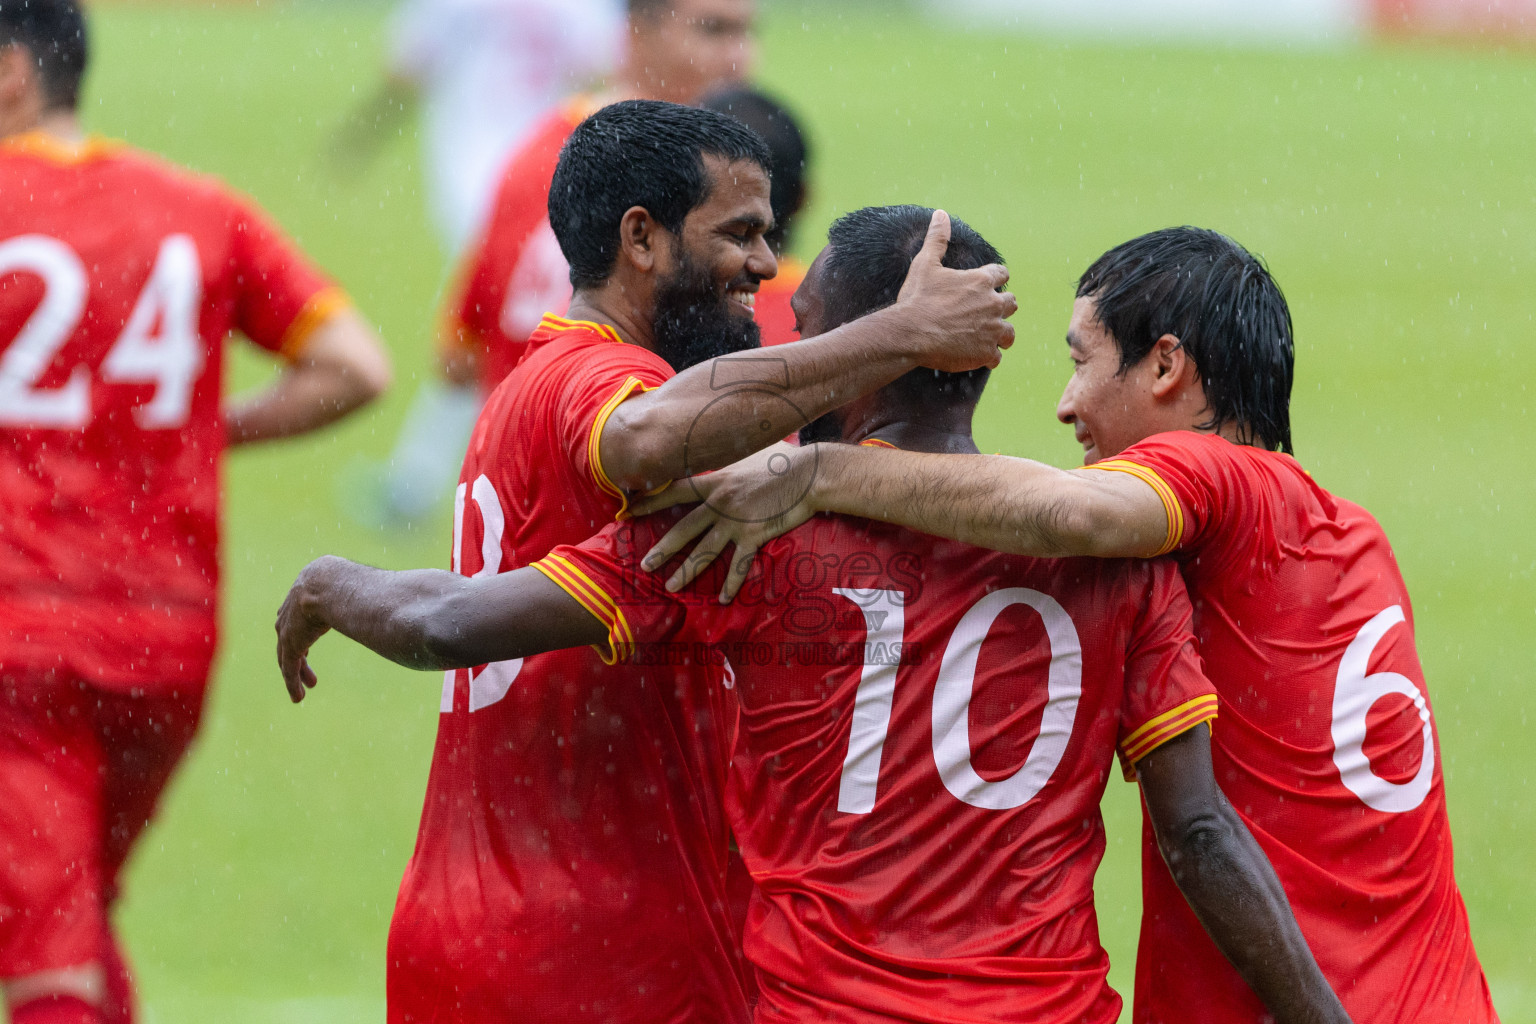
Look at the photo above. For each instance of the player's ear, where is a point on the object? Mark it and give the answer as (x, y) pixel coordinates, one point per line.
(1170, 364)
(640, 238)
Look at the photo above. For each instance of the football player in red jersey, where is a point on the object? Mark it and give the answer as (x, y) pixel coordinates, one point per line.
(926, 730)
(120, 277)
(1180, 394)
(566, 870)
(778, 127)
(514, 272)
(677, 50)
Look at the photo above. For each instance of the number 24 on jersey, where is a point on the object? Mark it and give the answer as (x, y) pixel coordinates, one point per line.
(158, 344)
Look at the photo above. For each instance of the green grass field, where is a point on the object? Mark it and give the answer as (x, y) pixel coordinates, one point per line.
(1392, 189)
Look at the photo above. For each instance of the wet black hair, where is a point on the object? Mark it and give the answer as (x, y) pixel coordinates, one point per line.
(642, 153)
(1220, 301)
(869, 253)
(53, 32)
(786, 142)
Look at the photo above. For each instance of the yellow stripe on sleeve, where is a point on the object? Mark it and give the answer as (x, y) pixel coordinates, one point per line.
(1170, 724)
(1171, 507)
(594, 454)
(322, 305)
(569, 578)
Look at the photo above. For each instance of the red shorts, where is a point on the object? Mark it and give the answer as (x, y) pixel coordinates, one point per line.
(81, 770)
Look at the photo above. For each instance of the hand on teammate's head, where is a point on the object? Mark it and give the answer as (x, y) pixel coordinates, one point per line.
(961, 315)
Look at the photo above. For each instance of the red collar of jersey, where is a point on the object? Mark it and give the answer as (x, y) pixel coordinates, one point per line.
(551, 325)
(49, 147)
(875, 442)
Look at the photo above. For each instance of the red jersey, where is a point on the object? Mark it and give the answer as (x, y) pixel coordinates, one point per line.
(773, 314)
(571, 860)
(926, 732)
(516, 271)
(1326, 744)
(120, 277)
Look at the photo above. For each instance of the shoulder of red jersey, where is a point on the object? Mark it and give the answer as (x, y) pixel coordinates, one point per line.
(558, 338)
(1210, 486)
(536, 157)
(98, 152)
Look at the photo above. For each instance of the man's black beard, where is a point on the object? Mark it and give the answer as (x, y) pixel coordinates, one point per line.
(694, 321)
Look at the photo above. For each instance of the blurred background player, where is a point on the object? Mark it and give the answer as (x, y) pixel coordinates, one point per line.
(480, 72)
(791, 155)
(120, 277)
(675, 50)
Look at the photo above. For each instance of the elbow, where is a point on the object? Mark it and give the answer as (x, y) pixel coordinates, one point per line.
(352, 355)
(376, 380)
(1194, 843)
(371, 375)
(435, 639)
(440, 641)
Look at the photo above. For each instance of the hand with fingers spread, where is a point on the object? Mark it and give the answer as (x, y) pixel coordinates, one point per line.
(744, 505)
(962, 315)
(297, 630)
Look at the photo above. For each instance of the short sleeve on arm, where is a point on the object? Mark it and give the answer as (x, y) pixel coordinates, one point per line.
(1185, 470)
(603, 574)
(1166, 690)
(280, 296)
(611, 375)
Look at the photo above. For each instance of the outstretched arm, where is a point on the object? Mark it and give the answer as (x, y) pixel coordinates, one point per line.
(1230, 884)
(426, 618)
(991, 501)
(727, 408)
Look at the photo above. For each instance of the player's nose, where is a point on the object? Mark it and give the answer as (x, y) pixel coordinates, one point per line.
(760, 261)
(1066, 410)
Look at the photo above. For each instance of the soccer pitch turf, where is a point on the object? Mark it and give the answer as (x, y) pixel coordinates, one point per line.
(1391, 188)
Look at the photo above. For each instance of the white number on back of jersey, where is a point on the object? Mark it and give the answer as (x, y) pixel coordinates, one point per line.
(884, 624)
(957, 682)
(491, 683)
(1353, 694)
(159, 344)
(884, 621)
(22, 402)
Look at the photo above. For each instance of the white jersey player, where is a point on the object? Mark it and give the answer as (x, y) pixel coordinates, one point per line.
(483, 71)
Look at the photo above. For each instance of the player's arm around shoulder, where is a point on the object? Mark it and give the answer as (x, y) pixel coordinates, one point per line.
(1006, 504)
(427, 618)
(335, 368)
(1229, 883)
